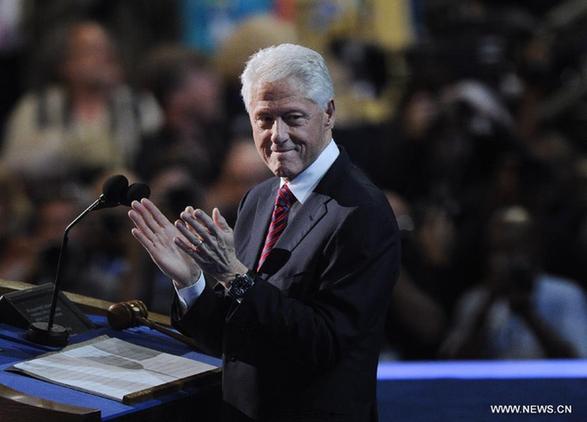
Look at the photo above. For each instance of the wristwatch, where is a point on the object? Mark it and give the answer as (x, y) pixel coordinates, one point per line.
(240, 285)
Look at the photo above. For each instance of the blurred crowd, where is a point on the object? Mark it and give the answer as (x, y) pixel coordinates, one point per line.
(477, 132)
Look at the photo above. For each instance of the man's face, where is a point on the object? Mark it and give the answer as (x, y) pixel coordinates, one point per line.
(290, 130)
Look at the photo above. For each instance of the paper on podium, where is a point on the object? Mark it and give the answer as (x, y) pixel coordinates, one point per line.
(113, 368)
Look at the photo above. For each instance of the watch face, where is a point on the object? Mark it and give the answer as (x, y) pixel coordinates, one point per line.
(240, 285)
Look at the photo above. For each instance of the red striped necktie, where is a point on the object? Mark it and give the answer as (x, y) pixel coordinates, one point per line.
(283, 202)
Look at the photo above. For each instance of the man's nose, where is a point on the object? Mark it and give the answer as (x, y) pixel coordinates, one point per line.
(279, 133)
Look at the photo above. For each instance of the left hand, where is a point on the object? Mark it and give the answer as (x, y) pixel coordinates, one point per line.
(211, 244)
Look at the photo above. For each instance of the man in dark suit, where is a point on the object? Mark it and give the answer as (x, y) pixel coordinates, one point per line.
(305, 279)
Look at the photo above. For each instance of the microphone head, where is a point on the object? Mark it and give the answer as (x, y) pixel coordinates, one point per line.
(114, 190)
(136, 192)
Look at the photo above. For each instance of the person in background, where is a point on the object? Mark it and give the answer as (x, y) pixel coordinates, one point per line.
(53, 212)
(86, 121)
(242, 170)
(17, 255)
(194, 132)
(417, 292)
(519, 312)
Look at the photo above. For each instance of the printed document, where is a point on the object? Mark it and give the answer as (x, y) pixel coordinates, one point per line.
(113, 368)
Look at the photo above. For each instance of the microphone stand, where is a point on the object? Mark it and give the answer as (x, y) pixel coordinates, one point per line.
(49, 333)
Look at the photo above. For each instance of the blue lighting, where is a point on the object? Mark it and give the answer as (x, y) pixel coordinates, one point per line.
(482, 369)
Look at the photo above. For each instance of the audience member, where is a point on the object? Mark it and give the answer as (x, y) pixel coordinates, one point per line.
(194, 132)
(85, 122)
(415, 338)
(519, 312)
(242, 169)
(16, 211)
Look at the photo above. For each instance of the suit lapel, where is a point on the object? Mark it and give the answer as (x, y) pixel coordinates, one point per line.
(313, 209)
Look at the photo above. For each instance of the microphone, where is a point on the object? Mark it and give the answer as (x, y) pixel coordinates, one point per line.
(133, 313)
(136, 192)
(115, 191)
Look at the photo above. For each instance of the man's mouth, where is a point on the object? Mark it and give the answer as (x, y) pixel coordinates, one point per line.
(280, 151)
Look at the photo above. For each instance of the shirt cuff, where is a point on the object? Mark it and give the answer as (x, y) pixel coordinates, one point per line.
(188, 295)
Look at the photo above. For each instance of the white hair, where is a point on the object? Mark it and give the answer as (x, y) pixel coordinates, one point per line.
(288, 61)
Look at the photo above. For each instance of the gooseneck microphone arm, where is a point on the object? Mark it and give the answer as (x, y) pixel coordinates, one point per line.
(116, 191)
(62, 257)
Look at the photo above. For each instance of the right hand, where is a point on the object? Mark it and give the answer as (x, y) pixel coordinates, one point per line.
(157, 235)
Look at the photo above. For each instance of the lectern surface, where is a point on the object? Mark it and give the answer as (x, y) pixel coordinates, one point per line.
(13, 348)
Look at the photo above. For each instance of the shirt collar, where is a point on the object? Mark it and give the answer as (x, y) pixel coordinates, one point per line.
(305, 182)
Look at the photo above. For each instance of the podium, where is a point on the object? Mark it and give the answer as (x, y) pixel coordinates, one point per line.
(24, 399)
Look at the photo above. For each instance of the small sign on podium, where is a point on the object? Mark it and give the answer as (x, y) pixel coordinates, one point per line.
(22, 308)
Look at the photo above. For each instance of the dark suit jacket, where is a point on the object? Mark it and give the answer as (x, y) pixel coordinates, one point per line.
(304, 342)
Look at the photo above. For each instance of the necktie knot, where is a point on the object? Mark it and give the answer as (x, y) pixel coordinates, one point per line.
(285, 197)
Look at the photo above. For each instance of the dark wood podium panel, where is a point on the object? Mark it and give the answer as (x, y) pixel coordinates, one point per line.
(16, 406)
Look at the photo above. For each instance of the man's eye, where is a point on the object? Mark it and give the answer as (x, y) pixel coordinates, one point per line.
(264, 120)
(294, 118)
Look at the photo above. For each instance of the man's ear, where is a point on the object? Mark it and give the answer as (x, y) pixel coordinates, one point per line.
(330, 115)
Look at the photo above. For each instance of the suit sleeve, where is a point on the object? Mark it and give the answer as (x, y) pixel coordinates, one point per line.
(204, 320)
(355, 274)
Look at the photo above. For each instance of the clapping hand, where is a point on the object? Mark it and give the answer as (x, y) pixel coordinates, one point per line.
(210, 242)
(158, 236)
